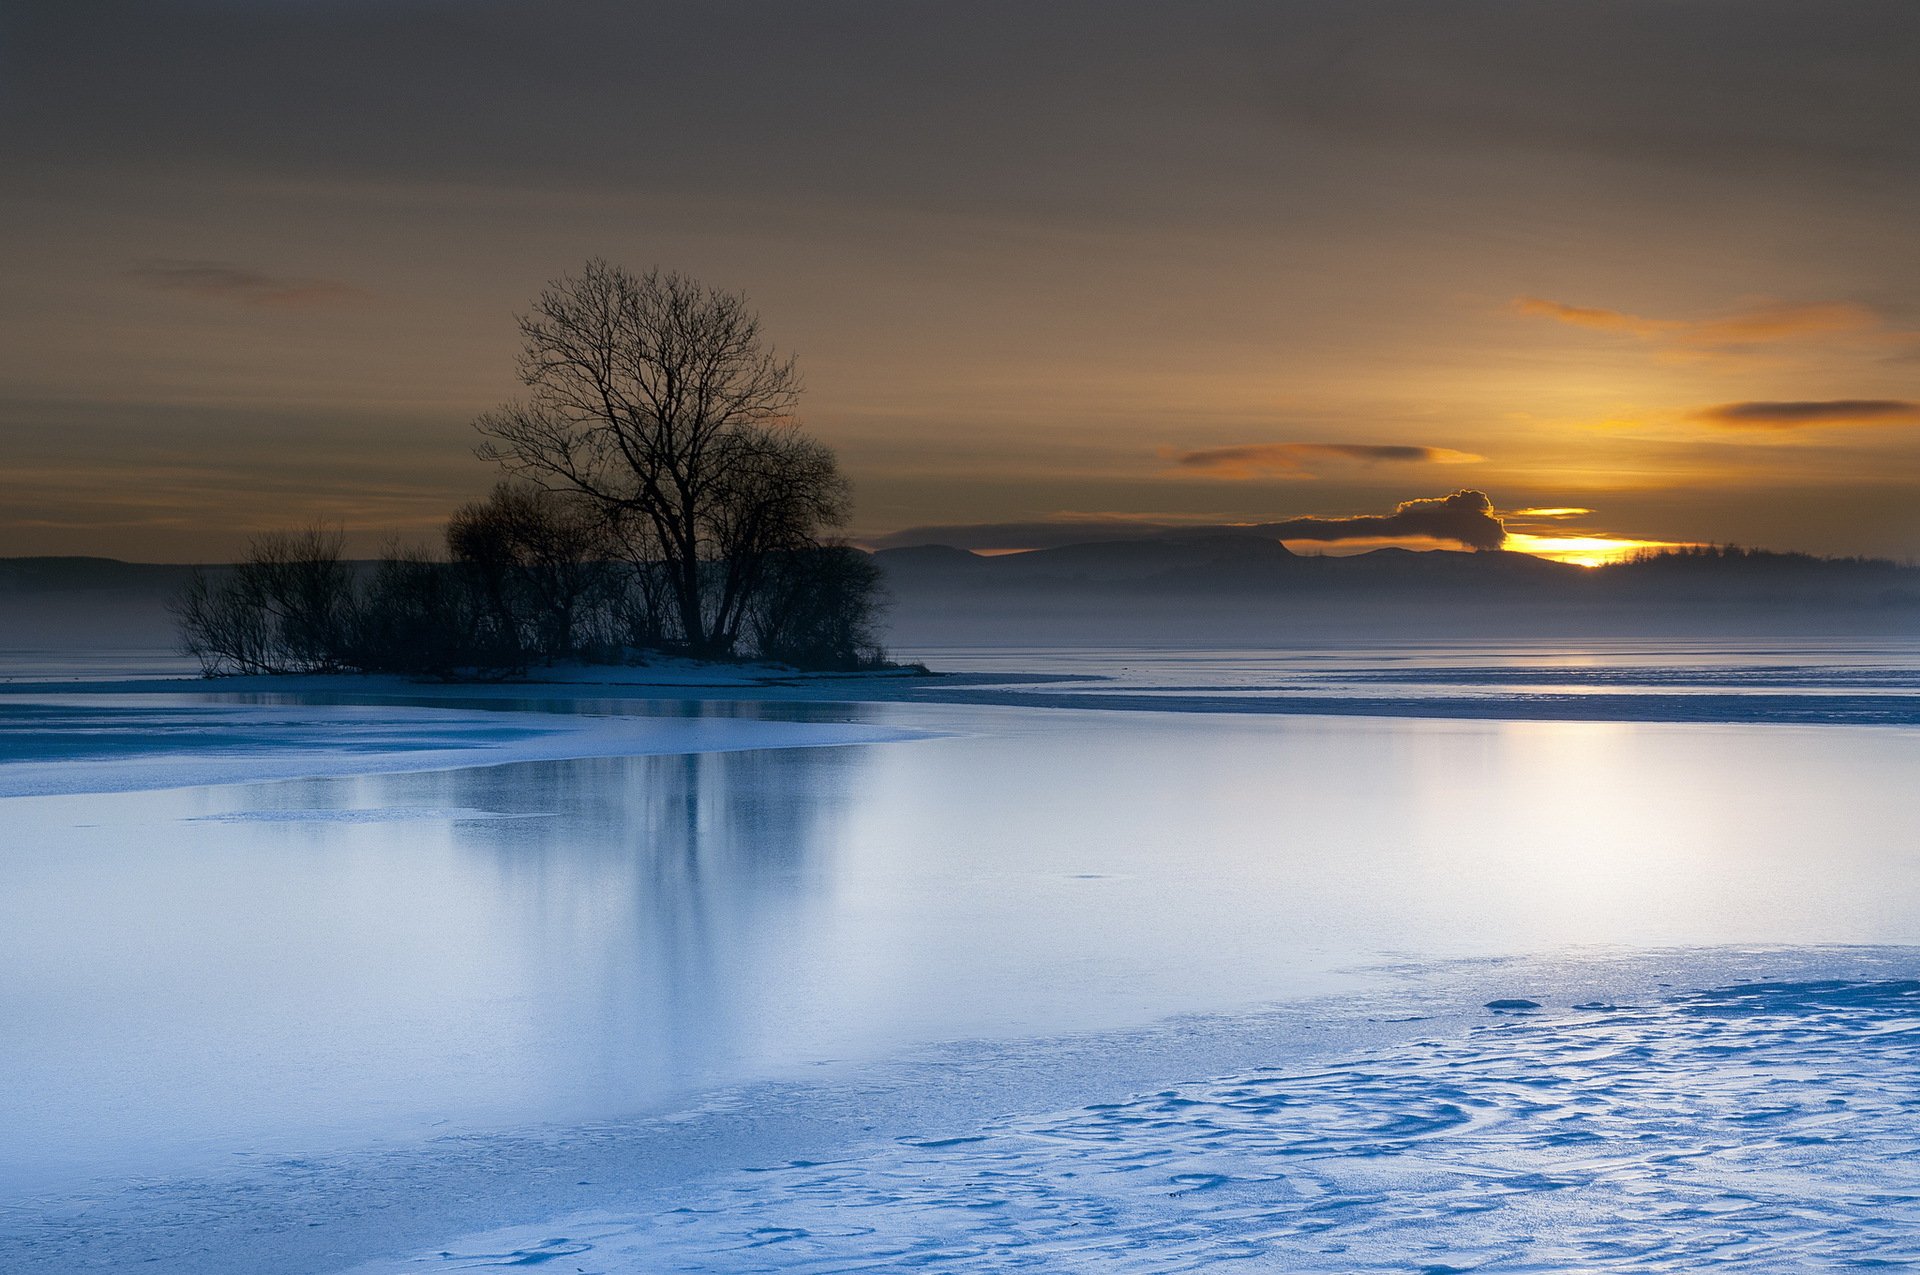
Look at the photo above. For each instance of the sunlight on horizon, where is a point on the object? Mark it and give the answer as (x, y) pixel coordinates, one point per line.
(1597, 550)
(1586, 551)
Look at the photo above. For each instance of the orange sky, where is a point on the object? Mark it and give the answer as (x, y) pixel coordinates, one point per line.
(1210, 263)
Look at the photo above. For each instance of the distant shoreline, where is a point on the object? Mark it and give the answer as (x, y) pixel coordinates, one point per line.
(1033, 690)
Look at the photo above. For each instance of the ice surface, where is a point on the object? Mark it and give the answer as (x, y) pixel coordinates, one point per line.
(957, 1002)
(1859, 681)
(93, 663)
(81, 744)
(1805, 680)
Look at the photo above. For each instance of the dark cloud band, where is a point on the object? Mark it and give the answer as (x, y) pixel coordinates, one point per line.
(1464, 517)
(222, 281)
(1796, 414)
(1269, 459)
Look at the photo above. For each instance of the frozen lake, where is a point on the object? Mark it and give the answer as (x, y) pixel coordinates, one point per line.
(347, 1000)
(1808, 680)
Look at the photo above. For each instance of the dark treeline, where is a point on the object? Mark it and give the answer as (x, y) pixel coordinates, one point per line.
(660, 498)
(1722, 557)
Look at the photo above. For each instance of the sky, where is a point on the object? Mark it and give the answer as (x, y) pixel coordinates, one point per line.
(1624, 272)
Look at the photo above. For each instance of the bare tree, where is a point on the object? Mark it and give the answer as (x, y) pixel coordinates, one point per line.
(667, 500)
(659, 399)
(539, 559)
(820, 608)
(643, 600)
(420, 616)
(220, 628)
(286, 608)
(299, 579)
(778, 500)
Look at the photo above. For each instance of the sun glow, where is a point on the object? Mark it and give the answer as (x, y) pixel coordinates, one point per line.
(1585, 551)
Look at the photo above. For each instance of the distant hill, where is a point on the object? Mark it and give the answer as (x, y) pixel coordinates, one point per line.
(88, 603)
(1229, 590)
(80, 575)
(1187, 590)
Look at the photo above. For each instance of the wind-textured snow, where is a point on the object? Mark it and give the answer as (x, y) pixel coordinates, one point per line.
(1761, 1127)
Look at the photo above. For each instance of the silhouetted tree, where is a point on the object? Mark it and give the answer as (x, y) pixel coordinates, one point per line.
(286, 608)
(219, 628)
(661, 497)
(820, 608)
(420, 616)
(539, 562)
(778, 500)
(643, 596)
(660, 400)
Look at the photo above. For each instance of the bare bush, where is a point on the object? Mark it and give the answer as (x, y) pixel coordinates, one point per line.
(821, 609)
(539, 564)
(286, 608)
(419, 616)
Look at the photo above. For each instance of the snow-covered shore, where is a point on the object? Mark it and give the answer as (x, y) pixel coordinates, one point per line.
(1778, 1136)
(1730, 1110)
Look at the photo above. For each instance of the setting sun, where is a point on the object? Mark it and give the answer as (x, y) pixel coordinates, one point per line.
(1586, 551)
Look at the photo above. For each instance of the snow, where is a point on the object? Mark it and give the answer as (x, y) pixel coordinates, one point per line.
(1759, 1127)
(1760, 1123)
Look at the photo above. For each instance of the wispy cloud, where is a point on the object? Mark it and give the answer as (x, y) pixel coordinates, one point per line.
(1766, 323)
(224, 281)
(1589, 317)
(1812, 412)
(1296, 460)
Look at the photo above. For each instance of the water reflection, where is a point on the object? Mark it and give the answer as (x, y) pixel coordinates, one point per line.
(296, 964)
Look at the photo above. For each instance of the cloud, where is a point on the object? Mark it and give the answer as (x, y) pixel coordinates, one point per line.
(893, 93)
(1588, 317)
(1464, 518)
(1765, 323)
(1292, 460)
(222, 281)
(1801, 414)
(1776, 321)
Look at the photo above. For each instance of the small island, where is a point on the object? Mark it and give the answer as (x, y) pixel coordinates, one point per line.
(660, 499)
